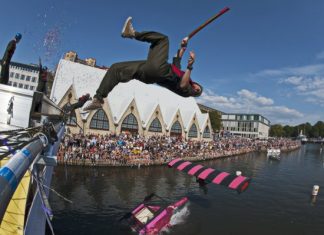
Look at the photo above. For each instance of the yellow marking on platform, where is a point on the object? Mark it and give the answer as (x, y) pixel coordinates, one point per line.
(14, 219)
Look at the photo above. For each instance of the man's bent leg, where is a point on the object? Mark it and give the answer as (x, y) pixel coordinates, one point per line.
(119, 72)
(157, 60)
(159, 49)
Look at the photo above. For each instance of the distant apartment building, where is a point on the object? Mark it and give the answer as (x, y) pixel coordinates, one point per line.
(73, 56)
(25, 76)
(246, 125)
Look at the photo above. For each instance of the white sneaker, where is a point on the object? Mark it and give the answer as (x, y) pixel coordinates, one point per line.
(128, 30)
(95, 104)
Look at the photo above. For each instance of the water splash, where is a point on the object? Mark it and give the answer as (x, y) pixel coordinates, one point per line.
(179, 217)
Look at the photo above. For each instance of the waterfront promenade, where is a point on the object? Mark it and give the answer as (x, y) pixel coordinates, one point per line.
(136, 151)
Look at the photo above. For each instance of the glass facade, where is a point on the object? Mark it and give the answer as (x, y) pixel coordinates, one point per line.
(206, 133)
(193, 131)
(100, 120)
(130, 124)
(155, 126)
(176, 128)
(247, 125)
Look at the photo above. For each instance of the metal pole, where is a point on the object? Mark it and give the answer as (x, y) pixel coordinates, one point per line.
(14, 170)
(35, 223)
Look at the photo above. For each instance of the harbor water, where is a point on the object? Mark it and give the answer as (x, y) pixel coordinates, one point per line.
(278, 200)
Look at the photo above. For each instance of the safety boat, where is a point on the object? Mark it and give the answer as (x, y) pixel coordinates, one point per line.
(302, 137)
(273, 154)
(151, 217)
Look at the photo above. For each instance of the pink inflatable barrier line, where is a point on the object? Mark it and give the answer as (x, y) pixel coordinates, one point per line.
(209, 175)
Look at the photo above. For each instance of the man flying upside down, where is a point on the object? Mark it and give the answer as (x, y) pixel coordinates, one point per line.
(155, 69)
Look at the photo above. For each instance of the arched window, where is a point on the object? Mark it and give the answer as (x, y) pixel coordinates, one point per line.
(100, 120)
(155, 126)
(206, 133)
(130, 124)
(176, 129)
(71, 118)
(193, 131)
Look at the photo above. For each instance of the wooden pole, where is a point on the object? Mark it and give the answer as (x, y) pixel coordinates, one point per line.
(193, 33)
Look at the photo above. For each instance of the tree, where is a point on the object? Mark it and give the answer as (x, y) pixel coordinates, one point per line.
(288, 131)
(215, 120)
(276, 131)
(318, 129)
(315, 131)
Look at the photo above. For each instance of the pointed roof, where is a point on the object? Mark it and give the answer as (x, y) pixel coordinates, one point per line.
(150, 111)
(168, 114)
(187, 117)
(202, 120)
(84, 78)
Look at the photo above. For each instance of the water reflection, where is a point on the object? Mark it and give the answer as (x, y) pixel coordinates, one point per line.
(313, 200)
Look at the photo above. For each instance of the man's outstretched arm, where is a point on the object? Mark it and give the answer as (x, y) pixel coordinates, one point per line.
(180, 52)
(186, 77)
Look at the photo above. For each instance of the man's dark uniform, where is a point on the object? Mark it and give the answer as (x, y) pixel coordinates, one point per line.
(4, 75)
(42, 79)
(155, 69)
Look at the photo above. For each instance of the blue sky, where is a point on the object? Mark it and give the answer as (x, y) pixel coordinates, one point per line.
(262, 57)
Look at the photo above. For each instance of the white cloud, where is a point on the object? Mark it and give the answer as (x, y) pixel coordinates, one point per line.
(307, 70)
(254, 98)
(250, 102)
(307, 81)
(310, 87)
(210, 98)
(311, 118)
(293, 80)
(283, 112)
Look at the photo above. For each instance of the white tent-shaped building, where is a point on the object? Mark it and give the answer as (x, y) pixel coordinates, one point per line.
(131, 107)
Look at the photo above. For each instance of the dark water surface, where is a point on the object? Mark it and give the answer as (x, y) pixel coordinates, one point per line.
(278, 200)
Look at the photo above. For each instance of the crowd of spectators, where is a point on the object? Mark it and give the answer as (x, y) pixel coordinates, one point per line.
(130, 150)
